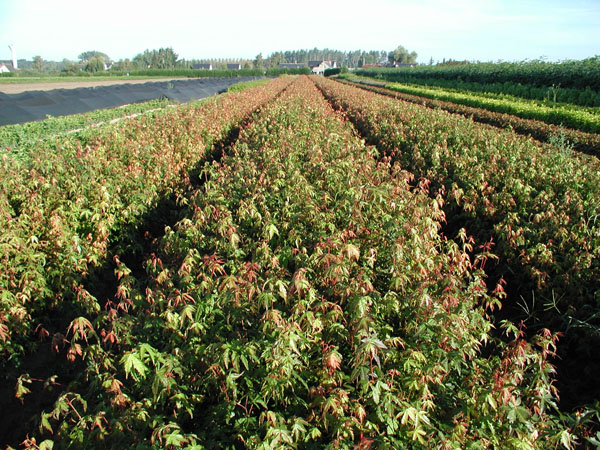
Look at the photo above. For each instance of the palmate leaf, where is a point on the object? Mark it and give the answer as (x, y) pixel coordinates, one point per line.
(133, 366)
(282, 289)
(272, 231)
(299, 428)
(45, 423)
(176, 439)
(47, 445)
(333, 360)
(518, 413)
(148, 350)
(21, 390)
(567, 439)
(352, 252)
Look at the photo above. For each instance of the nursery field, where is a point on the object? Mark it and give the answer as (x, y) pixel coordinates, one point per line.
(298, 264)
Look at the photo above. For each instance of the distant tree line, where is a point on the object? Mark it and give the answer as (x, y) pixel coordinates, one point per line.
(167, 58)
(94, 61)
(353, 58)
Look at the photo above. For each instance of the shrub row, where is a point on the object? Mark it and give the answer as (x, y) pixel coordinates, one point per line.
(559, 136)
(22, 137)
(246, 85)
(568, 74)
(549, 95)
(578, 119)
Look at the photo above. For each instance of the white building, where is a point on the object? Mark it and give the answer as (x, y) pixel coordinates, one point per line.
(318, 67)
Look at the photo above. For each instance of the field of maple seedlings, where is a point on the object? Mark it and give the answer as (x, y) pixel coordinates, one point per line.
(301, 264)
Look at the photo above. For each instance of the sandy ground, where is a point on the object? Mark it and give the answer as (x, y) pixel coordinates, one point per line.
(24, 87)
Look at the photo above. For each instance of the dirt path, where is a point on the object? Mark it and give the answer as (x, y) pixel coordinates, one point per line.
(17, 88)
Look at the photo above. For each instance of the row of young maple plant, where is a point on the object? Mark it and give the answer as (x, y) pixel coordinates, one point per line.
(307, 297)
(560, 114)
(579, 118)
(558, 135)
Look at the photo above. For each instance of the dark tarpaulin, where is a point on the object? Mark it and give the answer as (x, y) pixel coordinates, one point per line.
(36, 105)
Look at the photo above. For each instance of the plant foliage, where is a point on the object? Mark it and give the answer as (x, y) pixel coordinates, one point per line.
(305, 298)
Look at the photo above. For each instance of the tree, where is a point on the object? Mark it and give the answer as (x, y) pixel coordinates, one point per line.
(259, 62)
(402, 56)
(163, 58)
(95, 64)
(275, 59)
(167, 58)
(38, 63)
(124, 65)
(86, 56)
(70, 67)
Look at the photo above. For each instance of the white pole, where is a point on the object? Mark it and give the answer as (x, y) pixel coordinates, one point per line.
(14, 57)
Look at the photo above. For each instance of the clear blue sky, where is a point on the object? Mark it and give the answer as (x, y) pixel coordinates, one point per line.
(486, 30)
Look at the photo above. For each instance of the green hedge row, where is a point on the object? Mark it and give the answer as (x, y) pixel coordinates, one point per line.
(569, 74)
(581, 97)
